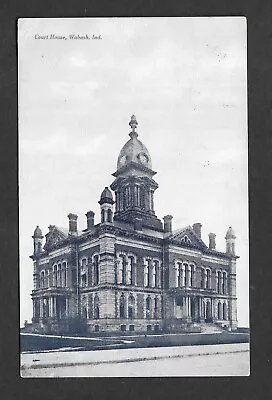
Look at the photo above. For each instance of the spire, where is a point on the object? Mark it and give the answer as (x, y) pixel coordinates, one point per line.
(133, 123)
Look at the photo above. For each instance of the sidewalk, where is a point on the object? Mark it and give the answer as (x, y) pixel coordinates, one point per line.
(66, 359)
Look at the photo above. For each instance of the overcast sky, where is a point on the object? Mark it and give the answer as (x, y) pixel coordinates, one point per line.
(183, 78)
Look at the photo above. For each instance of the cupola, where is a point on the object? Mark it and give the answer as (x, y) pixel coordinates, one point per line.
(37, 240)
(134, 151)
(106, 203)
(230, 241)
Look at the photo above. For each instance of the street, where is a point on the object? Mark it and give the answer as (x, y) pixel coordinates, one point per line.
(232, 360)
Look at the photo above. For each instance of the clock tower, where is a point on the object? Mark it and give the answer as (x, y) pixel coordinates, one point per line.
(134, 185)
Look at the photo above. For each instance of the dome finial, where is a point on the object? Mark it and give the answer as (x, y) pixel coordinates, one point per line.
(133, 123)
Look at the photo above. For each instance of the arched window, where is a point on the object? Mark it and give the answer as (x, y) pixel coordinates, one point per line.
(122, 306)
(54, 275)
(150, 274)
(224, 283)
(102, 216)
(131, 307)
(96, 270)
(142, 197)
(122, 269)
(219, 311)
(148, 307)
(225, 313)
(192, 275)
(42, 274)
(203, 278)
(130, 270)
(156, 273)
(180, 274)
(146, 273)
(156, 308)
(208, 310)
(84, 312)
(186, 271)
(64, 268)
(96, 307)
(59, 275)
(109, 215)
(208, 279)
(218, 283)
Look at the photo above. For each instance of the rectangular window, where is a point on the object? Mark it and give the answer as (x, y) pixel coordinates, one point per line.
(123, 328)
(149, 328)
(131, 328)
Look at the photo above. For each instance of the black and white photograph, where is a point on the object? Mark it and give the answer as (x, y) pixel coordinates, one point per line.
(133, 197)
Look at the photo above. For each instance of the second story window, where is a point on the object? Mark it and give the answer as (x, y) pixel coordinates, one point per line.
(156, 273)
(42, 278)
(208, 279)
(130, 270)
(96, 270)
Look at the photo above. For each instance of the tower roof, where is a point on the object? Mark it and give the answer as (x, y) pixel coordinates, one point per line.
(134, 150)
(38, 233)
(106, 196)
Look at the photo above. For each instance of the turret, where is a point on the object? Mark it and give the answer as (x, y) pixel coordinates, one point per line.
(230, 241)
(37, 240)
(106, 203)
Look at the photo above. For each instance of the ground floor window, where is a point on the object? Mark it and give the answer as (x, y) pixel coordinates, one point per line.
(131, 327)
(123, 328)
(96, 328)
(156, 328)
(149, 328)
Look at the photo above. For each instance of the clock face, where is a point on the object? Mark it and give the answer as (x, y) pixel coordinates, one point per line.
(143, 158)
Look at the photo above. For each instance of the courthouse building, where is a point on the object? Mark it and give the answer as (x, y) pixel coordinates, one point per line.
(131, 271)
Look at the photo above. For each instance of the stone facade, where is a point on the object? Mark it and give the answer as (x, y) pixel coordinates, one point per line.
(131, 272)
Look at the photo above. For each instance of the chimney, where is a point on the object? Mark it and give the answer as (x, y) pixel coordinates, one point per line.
(167, 223)
(72, 223)
(90, 220)
(212, 243)
(197, 229)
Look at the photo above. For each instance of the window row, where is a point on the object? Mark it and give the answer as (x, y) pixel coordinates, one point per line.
(127, 307)
(55, 276)
(185, 276)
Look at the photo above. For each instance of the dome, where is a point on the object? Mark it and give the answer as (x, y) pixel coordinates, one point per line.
(134, 150)
(106, 196)
(38, 232)
(230, 233)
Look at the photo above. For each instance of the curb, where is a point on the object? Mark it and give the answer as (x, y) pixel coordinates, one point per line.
(127, 360)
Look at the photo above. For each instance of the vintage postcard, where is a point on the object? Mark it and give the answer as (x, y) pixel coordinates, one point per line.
(133, 191)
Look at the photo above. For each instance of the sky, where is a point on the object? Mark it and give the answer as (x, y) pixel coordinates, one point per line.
(184, 79)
